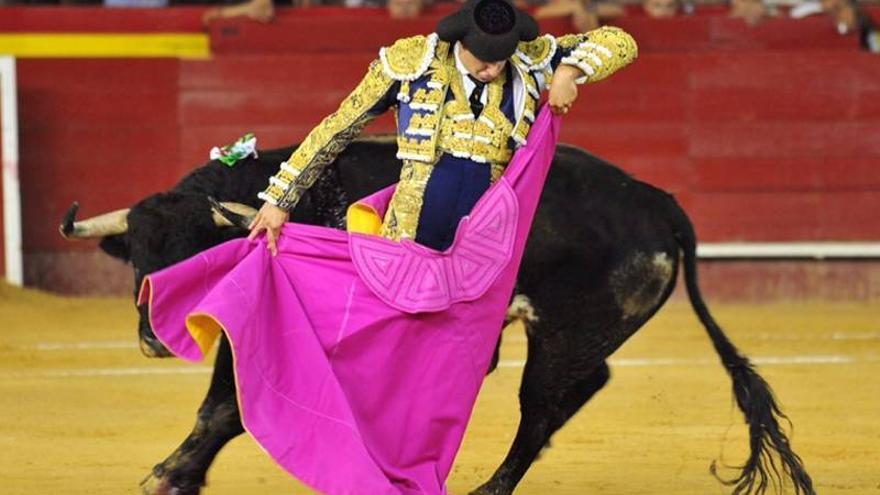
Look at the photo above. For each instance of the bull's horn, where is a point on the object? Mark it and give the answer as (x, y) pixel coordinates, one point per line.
(113, 223)
(232, 214)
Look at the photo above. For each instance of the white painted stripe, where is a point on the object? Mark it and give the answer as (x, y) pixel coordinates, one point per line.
(761, 361)
(815, 250)
(83, 346)
(838, 336)
(507, 363)
(773, 336)
(855, 336)
(9, 163)
(516, 338)
(106, 372)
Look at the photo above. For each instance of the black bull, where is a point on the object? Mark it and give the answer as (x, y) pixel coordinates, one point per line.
(602, 258)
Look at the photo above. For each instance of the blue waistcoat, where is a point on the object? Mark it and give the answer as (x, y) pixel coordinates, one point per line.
(455, 186)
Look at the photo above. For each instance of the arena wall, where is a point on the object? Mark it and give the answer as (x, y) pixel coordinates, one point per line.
(2, 222)
(760, 138)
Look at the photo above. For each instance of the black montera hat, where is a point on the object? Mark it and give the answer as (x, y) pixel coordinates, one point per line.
(490, 29)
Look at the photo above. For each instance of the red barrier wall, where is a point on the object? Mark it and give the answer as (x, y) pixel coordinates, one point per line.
(298, 32)
(100, 20)
(757, 144)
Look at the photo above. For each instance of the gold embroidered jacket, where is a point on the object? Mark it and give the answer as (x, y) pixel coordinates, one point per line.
(417, 75)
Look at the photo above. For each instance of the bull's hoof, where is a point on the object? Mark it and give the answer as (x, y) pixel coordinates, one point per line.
(154, 485)
(152, 348)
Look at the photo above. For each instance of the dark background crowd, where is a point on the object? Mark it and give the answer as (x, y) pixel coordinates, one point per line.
(849, 17)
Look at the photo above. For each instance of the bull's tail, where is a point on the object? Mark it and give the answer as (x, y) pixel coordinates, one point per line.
(772, 458)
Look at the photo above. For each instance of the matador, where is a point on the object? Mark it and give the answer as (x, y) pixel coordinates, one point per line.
(464, 98)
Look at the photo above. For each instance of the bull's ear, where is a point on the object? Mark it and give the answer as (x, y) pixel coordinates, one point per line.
(116, 246)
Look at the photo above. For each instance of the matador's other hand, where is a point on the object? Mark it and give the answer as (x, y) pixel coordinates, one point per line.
(270, 218)
(563, 93)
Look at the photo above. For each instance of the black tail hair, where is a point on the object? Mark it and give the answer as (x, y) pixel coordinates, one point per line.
(754, 397)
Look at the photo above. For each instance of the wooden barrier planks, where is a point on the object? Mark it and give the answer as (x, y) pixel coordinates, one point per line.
(786, 174)
(759, 146)
(365, 30)
(783, 216)
(796, 130)
(103, 132)
(83, 19)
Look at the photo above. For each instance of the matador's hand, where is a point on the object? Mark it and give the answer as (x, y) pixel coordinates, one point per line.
(563, 91)
(270, 218)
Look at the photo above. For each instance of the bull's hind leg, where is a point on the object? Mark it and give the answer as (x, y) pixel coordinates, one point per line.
(218, 422)
(552, 390)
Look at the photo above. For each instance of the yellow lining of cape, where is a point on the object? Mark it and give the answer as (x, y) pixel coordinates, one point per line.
(204, 329)
(363, 219)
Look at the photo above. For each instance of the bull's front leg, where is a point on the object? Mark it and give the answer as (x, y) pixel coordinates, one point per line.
(218, 422)
(556, 383)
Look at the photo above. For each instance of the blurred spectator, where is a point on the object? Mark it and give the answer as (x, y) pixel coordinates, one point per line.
(800, 10)
(404, 9)
(136, 3)
(585, 15)
(660, 9)
(397, 9)
(258, 10)
(751, 11)
(849, 17)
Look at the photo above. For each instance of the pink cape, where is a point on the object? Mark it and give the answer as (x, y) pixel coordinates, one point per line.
(358, 359)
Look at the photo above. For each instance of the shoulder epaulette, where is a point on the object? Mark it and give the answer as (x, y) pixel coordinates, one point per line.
(536, 54)
(408, 58)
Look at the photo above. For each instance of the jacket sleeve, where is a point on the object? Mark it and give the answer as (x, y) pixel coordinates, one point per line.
(374, 95)
(597, 53)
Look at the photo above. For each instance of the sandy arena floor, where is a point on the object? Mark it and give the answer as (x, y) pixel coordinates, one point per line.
(84, 413)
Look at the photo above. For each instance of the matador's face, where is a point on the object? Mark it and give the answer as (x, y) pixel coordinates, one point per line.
(480, 69)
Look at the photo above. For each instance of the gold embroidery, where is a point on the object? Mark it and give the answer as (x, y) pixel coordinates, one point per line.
(548, 76)
(497, 171)
(408, 58)
(482, 140)
(455, 130)
(415, 149)
(402, 218)
(539, 51)
(600, 52)
(419, 140)
(328, 139)
(403, 93)
(423, 124)
(569, 41)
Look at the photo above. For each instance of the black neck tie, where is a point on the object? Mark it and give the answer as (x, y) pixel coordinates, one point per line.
(476, 104)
